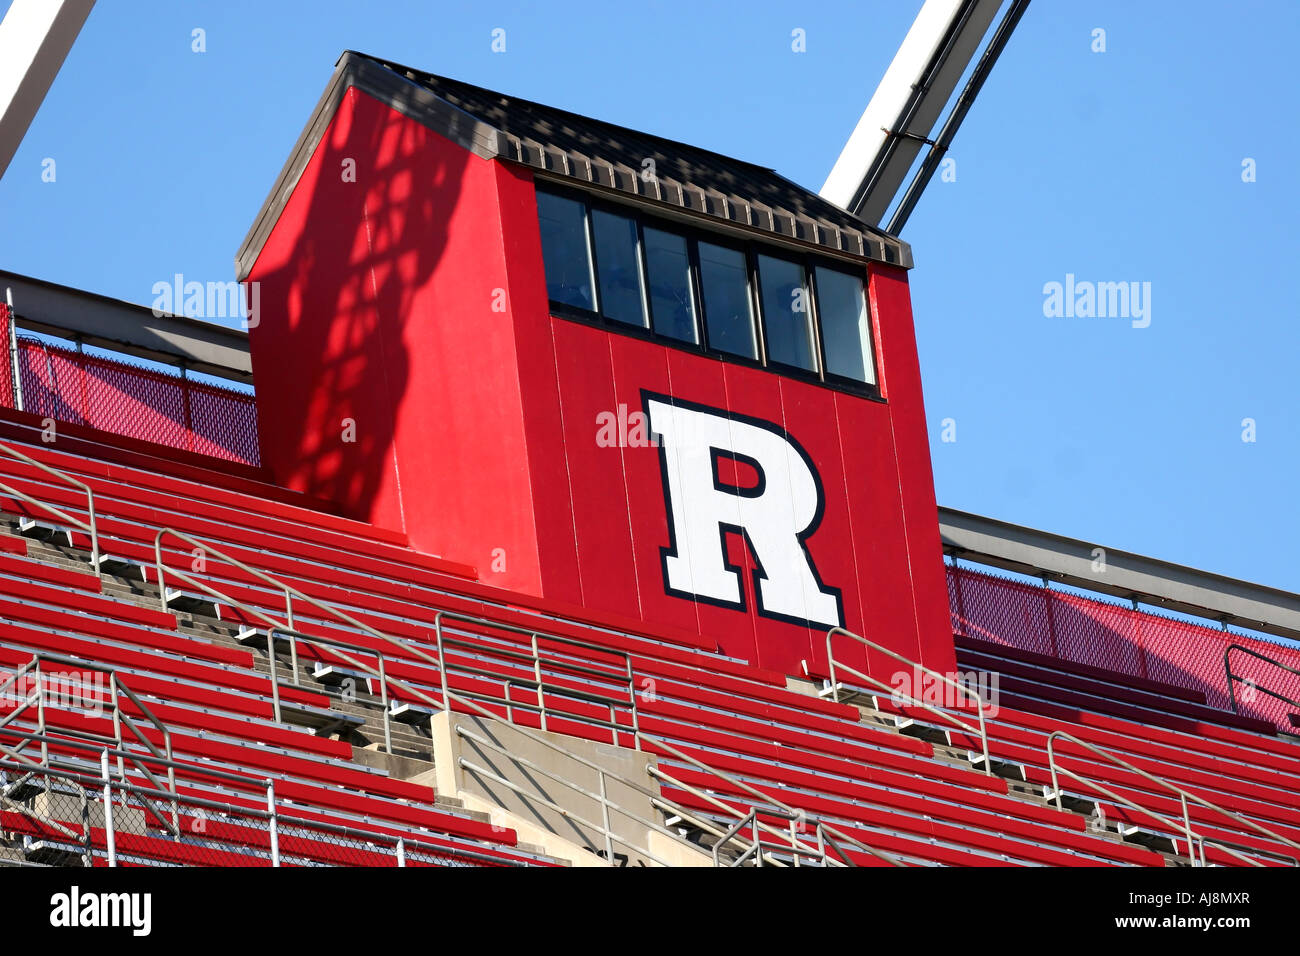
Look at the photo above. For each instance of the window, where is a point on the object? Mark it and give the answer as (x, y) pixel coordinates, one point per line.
(672, 303)
(728, 313)
(846, 331)
(564, 251)
(751, 301)
(618, 267)
(787, 313)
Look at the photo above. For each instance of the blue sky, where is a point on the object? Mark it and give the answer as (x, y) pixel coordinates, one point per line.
(1116, 166)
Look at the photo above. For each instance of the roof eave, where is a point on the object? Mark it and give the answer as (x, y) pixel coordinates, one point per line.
(420, 104)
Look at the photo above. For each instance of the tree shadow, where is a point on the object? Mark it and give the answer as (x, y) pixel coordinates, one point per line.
(344, 266)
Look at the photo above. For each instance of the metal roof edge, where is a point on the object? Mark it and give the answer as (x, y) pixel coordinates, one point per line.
(411, 98)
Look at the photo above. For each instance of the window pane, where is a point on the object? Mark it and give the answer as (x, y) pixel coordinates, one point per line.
(846, 330)
(724, 287)
(785, 313)
(670, 285)
(618, 268)
(564, 251)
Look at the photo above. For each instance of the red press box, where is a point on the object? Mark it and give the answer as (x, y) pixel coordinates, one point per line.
(422, 360)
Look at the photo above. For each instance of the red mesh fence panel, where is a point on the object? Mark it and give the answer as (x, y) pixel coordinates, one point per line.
(125, 399)
(1117, 638)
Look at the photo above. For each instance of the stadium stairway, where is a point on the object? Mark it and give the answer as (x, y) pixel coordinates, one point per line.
(891, 783)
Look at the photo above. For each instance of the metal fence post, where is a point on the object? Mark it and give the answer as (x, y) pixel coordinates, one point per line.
(15, 364)
(272, 823)
(88, 856)
(110, 841)
(401, 853)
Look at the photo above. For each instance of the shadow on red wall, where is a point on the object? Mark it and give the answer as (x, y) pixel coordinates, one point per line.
(365, 228)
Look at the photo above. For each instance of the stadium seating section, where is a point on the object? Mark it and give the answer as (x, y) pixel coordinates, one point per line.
(882, 771)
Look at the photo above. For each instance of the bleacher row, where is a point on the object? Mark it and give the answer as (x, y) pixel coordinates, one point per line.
(909, 791)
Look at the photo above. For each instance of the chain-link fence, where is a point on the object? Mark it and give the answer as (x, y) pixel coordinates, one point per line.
(124, 398)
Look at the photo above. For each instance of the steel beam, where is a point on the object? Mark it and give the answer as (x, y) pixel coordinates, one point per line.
(1120, 573)
(35, 37)
(97, 320)
(907, 104)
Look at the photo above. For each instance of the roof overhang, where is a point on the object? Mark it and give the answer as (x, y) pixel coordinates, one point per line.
(412, 99)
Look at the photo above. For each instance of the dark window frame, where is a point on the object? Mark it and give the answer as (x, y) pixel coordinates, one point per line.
(692, 278)
(870, 359)
(751, 248)
(755, 315)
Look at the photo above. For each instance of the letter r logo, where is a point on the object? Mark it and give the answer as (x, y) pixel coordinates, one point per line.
(775, 513)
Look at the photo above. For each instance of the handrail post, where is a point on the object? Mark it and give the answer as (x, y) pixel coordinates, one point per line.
(1227, 668)
(632, 696)
(275, 683)
(117, 725)
(1051, 764)
(537, 673)
(984, 735)
(272, 824)
(110, 840)
(40, 714)
(830, 660)
(604, 817)
(401, 852)
(94, 535)
(158, 566)
(1187, 828)
(293, 660)
(383, 702)
(442, 660)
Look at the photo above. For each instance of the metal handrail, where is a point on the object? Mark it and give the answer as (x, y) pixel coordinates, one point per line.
(982, 731)
(406, 648)
(448, 696)
(91, 527)
(120, 720)
(538, 684)
(1183, 795)
(81, 780)
(1232, 692)
(606, 805)
(751, 820)
(755, 792)
(288, 590)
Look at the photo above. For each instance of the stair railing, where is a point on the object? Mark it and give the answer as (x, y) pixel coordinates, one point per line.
(797, 818)
(35, 671)
(90, 526)
(448, 697)
(1232, 678)
(913, 702)
(1185, 796)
